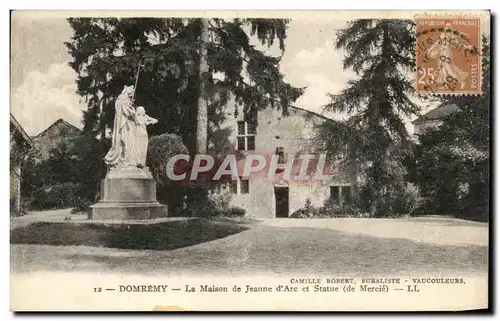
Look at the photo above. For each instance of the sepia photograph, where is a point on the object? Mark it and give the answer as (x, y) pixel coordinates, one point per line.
(249, 161)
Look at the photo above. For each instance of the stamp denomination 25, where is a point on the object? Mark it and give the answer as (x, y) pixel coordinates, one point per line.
(448, 55)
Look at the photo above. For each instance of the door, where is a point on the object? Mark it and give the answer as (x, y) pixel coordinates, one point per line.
(281, 196)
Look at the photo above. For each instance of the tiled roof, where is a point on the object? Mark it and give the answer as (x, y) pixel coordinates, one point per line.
(437, 113)
(20, 129)
(59, 122)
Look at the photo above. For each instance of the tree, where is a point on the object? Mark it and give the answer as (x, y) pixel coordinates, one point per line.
(178, 59)
(174, 78)
(453, 159)
(374, 137)
(202, 112)
(161, 148)
(68, 178)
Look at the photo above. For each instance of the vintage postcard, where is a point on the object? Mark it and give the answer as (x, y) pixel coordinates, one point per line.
(250, 161)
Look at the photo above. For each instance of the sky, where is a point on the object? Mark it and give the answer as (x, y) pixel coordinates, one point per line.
(43, 85)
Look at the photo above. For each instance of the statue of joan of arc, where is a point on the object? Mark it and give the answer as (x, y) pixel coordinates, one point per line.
(123, 151)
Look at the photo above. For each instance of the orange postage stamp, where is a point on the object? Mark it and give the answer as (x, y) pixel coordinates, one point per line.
(448, 55)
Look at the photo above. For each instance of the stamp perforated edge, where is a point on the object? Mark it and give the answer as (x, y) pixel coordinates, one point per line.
(454, 15)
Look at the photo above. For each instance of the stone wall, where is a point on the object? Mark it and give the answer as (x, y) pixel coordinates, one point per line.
(295, 134)
(57, 133)
(420, 128)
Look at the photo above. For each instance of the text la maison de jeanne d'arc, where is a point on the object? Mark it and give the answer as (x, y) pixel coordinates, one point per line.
(302, 285)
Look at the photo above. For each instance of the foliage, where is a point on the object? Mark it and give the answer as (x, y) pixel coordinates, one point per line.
(329, 210)
(208, 201)
(160, 149)
(405, 200)
(345, 209)
(234, 211)
(374, 139)
(219, 198)
(106, 53)
(308, 211)
(62, 195)
(19, 147)
(69, 178)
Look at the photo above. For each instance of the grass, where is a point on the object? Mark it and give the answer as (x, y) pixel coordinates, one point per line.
(159, 236)
(230, 248)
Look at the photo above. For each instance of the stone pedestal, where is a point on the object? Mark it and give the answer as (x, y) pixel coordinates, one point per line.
(128, 194)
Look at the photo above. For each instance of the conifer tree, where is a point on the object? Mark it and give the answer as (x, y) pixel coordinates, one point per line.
(174, 79)
(374, 137)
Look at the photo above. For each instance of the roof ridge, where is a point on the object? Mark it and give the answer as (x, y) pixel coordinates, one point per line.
(430, 115)
(20, 129)
(58, 121)
(311, 112)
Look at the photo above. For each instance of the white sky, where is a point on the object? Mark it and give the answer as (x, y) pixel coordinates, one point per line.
(43, 85)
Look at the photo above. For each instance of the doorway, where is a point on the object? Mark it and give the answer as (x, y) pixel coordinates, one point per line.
(281, 196)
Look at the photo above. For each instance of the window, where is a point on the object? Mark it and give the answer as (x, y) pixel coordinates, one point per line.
(345, 191)
(245, 136)
(244, 186)
(335, 195)
(340, 194)
(240, 186)
(280, 151)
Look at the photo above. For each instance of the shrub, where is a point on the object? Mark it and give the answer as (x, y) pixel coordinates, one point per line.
(196, 202)
(300, 213)
(160, 149)
(234, 211)
(70, 177)
(407, 200)
(62, 195)
(219, 198)
(177, 197)
(342, 210)
(308, 211)
(328, 210)
(82, 205)
(207, 201)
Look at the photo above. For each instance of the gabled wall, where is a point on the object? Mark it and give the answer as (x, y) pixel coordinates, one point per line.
(295, 133)
(421, 127)
(57, 133)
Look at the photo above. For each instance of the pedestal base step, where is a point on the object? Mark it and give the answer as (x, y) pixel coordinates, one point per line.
(127, 211)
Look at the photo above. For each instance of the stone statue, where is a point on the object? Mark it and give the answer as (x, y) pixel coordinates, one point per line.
(123, 150)
(129, 189)
(142, 120)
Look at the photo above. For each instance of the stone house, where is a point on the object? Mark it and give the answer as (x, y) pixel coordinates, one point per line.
(20, 145)
(60, 132)
(287, 137)
(433, 118)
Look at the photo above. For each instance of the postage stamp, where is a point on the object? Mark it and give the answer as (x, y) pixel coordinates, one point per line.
(448, 50)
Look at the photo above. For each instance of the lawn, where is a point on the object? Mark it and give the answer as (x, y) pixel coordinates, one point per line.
(159, 236)
(326, 247)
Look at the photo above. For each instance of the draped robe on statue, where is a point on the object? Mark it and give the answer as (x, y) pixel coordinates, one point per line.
(123, 149)
(128, 190)
(442, 50)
